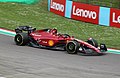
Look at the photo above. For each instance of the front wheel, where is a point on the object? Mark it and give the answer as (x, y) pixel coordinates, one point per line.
(21, 39)
(72, 47)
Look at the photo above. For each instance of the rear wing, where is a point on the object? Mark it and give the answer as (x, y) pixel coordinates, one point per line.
(21, 29)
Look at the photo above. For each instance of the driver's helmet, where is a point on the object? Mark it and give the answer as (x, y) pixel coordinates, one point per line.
(54, 31)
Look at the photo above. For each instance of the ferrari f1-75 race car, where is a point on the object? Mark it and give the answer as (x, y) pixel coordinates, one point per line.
(51, 39)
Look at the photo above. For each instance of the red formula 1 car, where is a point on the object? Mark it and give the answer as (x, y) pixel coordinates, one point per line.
(50, 38)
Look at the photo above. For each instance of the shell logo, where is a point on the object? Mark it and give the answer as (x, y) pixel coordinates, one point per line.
(50, 42)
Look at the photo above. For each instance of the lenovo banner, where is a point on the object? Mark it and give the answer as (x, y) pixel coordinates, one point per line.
(85, 12)
(58, 7)
(115, 17)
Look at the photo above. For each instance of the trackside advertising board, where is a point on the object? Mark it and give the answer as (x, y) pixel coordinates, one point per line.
(115, 17)
(85, 12)
(58, 6)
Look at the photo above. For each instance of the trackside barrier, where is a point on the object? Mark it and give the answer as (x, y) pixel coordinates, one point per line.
(86, 12)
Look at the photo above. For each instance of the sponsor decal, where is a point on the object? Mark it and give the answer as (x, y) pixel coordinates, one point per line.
(58, 7)
(85, 12)
(115, 17)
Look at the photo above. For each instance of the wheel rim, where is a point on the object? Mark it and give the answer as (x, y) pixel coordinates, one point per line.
(71, 47)
(18, 39)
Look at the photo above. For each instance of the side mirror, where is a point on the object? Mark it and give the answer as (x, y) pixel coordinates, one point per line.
(72, 36)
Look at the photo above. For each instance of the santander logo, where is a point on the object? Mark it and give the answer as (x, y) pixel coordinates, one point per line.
(57, 6)
(116, 19)
(84, 13)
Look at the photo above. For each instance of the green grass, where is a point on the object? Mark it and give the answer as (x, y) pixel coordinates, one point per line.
(13, 15)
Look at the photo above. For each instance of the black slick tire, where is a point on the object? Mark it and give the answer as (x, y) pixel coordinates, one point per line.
(72, 47)
(21, 39)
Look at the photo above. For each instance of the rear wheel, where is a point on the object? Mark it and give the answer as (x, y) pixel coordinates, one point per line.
(72, 47)
(21, 39)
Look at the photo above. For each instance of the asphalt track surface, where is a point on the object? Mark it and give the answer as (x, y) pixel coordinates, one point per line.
(28, 62)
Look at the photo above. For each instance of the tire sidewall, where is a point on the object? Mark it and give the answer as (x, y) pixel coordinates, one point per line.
(75, 47)
(23, 39)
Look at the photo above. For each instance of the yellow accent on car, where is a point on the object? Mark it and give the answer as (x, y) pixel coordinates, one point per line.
(51, 42)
